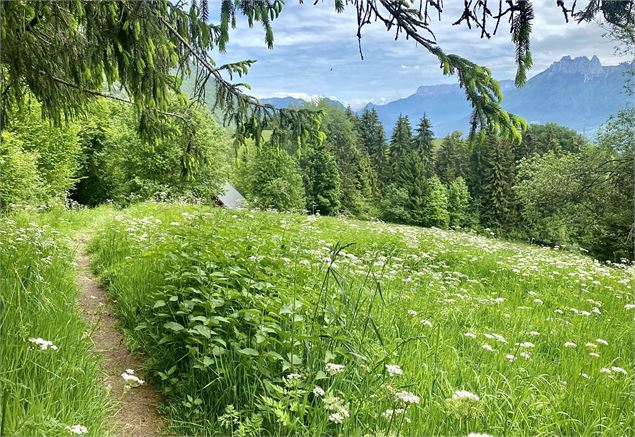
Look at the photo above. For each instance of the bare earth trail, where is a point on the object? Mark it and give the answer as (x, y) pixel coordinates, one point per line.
(136, 410)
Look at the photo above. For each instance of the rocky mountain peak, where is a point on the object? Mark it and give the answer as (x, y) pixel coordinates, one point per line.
(580, 65)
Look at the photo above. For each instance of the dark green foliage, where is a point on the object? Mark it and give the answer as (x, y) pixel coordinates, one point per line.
(322, 183)
(373, 140)
(497, 173)
(273, 180)
(452, 158)
(542, 138)
(189, 161)
(422, 143)
(356, 176)
(584, 198)
(411, 176)
(401, 140)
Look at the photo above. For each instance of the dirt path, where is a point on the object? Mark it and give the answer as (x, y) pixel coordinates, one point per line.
(136, 413)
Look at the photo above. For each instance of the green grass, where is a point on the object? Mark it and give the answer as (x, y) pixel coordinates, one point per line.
(44, 391)
(228, 304)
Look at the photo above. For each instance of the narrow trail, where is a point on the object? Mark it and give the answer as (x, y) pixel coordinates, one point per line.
(136, 410)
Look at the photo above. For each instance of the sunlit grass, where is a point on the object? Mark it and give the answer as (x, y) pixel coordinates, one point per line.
(241, 312)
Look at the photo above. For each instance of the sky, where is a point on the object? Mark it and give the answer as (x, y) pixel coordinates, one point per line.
(316, 52)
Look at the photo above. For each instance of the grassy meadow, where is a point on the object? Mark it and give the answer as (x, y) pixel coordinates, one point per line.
(50, 380)
(285, 324)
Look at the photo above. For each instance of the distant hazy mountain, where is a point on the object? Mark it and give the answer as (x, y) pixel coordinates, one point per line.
(285, 102)
(578, 93)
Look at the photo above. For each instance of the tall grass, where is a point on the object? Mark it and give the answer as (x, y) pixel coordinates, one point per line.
(248, 316)
(44, 388)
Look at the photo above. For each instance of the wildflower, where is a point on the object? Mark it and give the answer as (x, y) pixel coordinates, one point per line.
(77, 429)
(338, 416)
(479, 434)
(510, 357)
(412, 313)
(591, 345)
(318, 391)
(499, 300)
(604, 342)
(534, 333)
(584, 375)
(389, 413)
(569, 344)
(595, 354)
(334, 369)
(131, 379)
(487, 347)
(407, 398)
(538, 301)
(393, 369)
(558, 311)
(499, 338)
(619, 370)
(293, 376)
(629, 306)
(175, 223)
(525, 344)
(427, 323)
(470, 334)
(464, 394)
(43, 344)
(525, 355)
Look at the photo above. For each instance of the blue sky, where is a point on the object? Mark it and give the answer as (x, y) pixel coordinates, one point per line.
(316, 53)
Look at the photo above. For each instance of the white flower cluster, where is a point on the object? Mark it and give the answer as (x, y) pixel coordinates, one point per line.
(131, 379)
(407, 398)
(393, 369)
(318, 391)
(77, 429)
(43, 344)
(464, 395)
(334, 369)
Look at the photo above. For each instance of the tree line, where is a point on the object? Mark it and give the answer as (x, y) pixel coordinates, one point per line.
(555, 187)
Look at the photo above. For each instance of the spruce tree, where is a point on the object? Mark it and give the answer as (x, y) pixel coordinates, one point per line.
(373, 140)
(422, 143)
(498, 204)
(400, 144)
(452, 159)
(321, 180)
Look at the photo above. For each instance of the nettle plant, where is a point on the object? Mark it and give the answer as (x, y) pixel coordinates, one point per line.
(241, 347)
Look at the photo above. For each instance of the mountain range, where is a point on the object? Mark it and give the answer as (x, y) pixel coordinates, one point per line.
(579, 93)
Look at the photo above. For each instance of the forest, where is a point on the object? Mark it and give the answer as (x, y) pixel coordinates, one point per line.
(554, 188)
